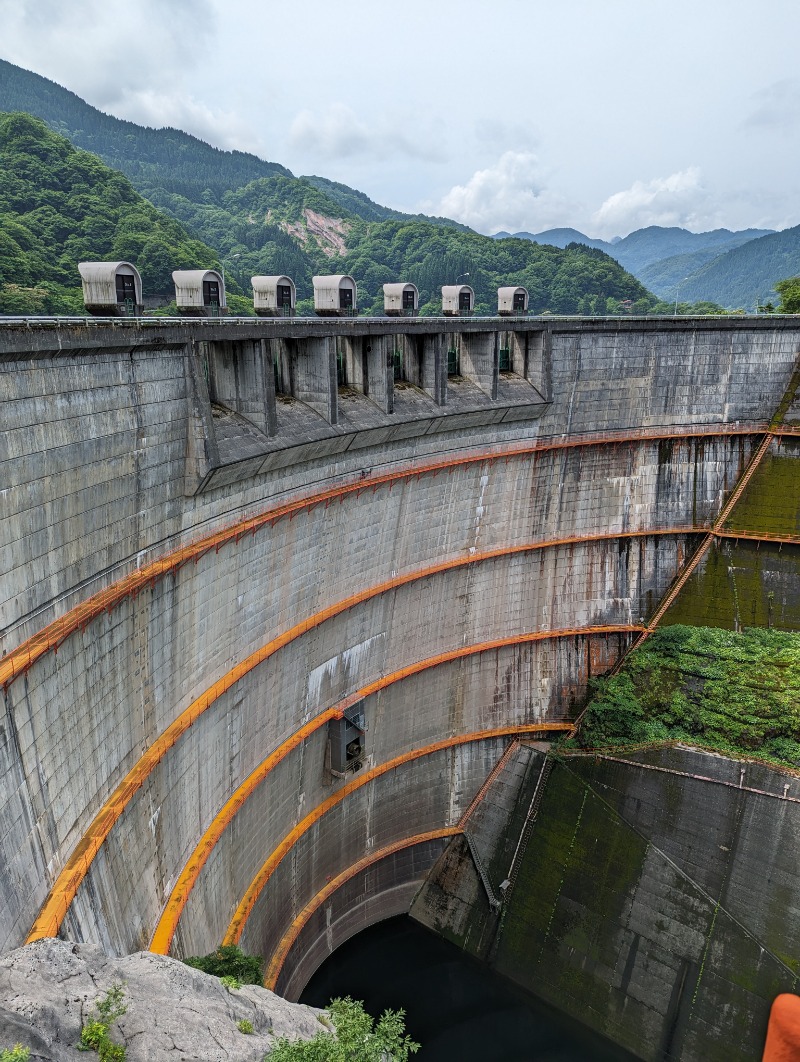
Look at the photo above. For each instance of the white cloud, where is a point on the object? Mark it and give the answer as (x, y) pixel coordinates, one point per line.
(679, 199)
(510, 195)
(102, 54)
(222, 128)
(338, 133)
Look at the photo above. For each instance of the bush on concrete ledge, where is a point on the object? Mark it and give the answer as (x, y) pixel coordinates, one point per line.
(230, 961)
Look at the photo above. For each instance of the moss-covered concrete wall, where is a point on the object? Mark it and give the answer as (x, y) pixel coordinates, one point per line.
(743, 582)
(657, 900)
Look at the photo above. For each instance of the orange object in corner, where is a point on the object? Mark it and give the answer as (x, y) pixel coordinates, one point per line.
(783, 1031)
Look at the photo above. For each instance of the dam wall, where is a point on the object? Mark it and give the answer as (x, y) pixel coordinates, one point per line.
(213, 547)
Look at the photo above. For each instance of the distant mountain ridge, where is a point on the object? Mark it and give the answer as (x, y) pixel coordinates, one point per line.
(674, 262)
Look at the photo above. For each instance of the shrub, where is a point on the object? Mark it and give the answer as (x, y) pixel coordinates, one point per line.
(231, 983)
(230, 961)
(17, 1053)
(244, 1026)
(94, 1034)
(355, 1038)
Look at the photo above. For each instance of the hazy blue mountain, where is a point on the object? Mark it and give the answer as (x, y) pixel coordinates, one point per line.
(675, 260)
(653, 244)
(556, 238)
(747, 274)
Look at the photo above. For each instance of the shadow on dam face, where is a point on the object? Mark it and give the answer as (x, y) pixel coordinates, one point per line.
(456, 1008)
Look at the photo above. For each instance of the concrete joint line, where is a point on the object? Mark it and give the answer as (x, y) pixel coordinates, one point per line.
(679, 870)
(20, 659)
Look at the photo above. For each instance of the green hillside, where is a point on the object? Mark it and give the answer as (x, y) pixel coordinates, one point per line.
(150, 158)
(363, 207)
(748, 274)
(60, 205)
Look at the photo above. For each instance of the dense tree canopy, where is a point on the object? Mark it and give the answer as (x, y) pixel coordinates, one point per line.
(789, 291)
(59, 206)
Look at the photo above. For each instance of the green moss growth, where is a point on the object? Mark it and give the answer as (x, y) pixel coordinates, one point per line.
(738, 693)
(771, 501)
(742, 584)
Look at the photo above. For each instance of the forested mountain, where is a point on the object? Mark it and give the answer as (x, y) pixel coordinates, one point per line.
(164, 162)
(58, 206)
(747, 275)
(151, 158)
(363, 207)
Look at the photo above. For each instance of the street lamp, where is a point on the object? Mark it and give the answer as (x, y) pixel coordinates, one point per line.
(460, 276)
(222, 262)
(677, 289)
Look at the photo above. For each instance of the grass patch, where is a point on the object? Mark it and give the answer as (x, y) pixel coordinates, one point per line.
(737, 693)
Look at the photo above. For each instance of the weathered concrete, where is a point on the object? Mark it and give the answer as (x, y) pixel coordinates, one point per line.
(445, 539)
(657, 899)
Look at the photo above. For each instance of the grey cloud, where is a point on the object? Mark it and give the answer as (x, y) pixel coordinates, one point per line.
(86, 47)
(338, 133)
(775, 107)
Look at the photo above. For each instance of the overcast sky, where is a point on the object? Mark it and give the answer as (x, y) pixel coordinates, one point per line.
(604, 115)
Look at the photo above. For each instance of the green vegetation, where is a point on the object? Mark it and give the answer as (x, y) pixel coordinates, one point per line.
(94, 1035)
(59, 206)
(245, 1026)
(739, 693)
(150, 158)
(789, 291)
(17, 1053)
(230, 962)
(356, 1038)
(747, 275)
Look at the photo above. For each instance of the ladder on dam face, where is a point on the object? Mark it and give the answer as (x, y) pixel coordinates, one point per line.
(494, 903)
(527, 827)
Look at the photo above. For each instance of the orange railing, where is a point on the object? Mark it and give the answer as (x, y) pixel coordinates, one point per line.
(19, 660)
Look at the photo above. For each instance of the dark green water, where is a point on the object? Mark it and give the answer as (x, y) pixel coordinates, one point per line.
(457, 1009)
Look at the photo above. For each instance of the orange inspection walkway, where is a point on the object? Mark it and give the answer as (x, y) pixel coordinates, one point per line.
(19, 660)
(66, 886)
(162, 938)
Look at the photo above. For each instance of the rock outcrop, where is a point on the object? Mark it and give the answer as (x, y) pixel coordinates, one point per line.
(48, 990)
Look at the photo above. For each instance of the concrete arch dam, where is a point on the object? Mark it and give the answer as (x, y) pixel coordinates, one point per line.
(219, 537)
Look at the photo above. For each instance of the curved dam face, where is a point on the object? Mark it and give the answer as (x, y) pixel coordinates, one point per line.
(220, 541)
